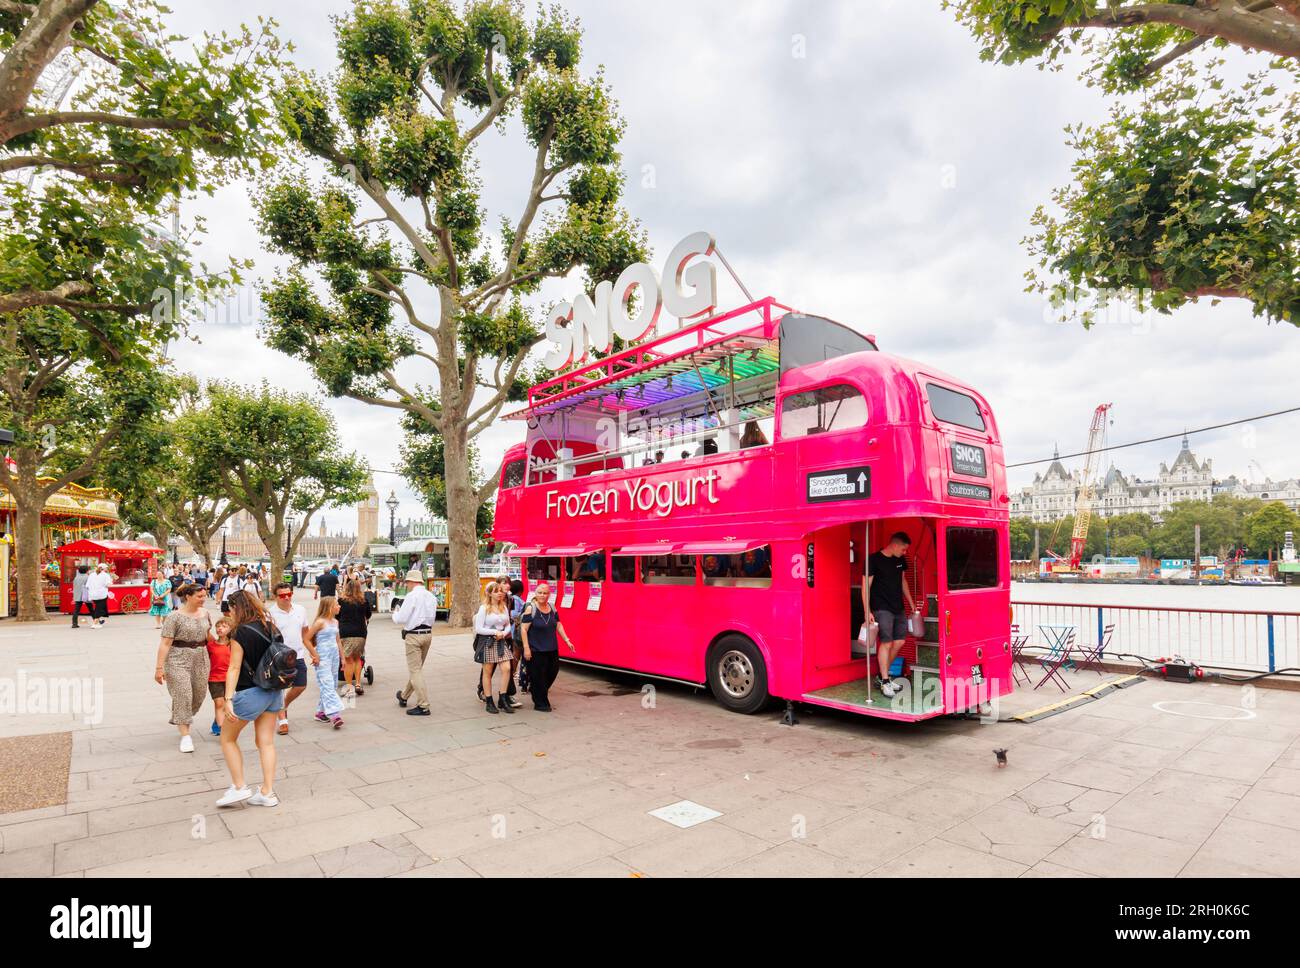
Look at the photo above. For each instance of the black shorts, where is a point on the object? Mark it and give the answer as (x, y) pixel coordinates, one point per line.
(300, 678)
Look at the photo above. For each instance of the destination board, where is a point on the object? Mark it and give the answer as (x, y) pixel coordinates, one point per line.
(977, 492)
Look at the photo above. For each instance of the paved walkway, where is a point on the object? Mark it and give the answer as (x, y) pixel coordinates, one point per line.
(1117, 788)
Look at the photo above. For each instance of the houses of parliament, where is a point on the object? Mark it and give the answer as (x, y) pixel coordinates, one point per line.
(243, 543)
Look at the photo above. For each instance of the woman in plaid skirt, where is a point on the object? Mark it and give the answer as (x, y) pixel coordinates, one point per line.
(494, 645)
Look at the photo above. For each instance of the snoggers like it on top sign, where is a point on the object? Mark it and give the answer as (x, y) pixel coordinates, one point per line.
(586, 326)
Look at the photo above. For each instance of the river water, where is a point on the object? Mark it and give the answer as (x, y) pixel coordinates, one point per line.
(1232, 626)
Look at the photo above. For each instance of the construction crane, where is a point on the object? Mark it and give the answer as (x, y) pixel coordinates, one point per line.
(1083, 502)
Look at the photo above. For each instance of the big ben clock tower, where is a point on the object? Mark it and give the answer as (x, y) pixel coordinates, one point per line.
(368, 517)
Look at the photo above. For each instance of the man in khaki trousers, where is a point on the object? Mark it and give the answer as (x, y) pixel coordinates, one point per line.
(416, 617)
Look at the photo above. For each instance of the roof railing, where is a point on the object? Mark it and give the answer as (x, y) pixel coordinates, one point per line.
(628, 361)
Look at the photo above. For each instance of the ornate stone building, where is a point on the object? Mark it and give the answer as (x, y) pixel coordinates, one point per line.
(243, 543)
(1288, 492)
(1053, 493)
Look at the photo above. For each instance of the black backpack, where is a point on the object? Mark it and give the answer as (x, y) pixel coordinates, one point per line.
(278, 666)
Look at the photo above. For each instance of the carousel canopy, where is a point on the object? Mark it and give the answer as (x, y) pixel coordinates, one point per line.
(110, 549)
(72, 504)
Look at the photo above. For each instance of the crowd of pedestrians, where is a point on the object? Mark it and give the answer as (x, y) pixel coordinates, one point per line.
(254, 659)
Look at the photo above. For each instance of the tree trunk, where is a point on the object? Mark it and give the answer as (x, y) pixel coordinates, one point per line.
(27, 541)
(274, 541)
(462, 536)
(276, 574)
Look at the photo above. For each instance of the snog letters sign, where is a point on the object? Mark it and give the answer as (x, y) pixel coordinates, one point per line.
(686, 290)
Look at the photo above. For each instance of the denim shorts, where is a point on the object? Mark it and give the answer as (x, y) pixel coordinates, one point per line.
(893, 625)
(300, 677)
(250, 703)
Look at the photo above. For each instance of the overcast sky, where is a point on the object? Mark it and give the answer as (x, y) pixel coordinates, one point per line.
(856, 160)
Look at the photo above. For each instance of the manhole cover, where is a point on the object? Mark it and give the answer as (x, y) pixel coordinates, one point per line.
(1203, 710)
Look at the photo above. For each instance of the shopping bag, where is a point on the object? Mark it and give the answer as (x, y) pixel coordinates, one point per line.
(868, 635)
(916, 625)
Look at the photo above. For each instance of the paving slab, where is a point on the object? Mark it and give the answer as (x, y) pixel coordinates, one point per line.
(1119, 787)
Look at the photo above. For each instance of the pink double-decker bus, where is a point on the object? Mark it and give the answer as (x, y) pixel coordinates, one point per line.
(704, 506)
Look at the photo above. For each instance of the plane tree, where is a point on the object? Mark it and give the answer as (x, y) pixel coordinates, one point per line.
(1191, 188)
(405, 294)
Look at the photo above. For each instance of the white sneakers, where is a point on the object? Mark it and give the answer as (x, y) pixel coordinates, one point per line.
(234, 795)
(890, 688)
(187, 744)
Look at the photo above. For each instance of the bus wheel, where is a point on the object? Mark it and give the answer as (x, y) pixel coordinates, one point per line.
(737, 674)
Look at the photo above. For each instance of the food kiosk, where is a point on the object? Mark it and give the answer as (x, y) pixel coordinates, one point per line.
(133, 565)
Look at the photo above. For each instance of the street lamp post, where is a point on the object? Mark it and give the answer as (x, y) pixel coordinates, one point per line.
(288, 544)
(225, 562)
(175, 543)
(392, 503)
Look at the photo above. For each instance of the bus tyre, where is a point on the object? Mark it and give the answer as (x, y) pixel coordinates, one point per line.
(737, 674)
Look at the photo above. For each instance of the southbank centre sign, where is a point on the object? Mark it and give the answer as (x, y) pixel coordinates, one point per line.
(687, 290)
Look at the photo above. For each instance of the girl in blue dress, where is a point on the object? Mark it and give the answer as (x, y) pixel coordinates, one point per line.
(324, 633)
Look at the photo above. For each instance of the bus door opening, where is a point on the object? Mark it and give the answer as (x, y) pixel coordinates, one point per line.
(974, 613)
(914, 669)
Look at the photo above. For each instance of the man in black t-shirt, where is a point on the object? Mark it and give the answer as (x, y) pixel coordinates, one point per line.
(884, 592)
(327, 583)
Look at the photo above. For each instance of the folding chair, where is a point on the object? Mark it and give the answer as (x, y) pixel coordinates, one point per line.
(1056, 657)
(1092, 655)
(1018, 657)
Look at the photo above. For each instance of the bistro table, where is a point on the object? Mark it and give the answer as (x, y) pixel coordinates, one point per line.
(1060, 639)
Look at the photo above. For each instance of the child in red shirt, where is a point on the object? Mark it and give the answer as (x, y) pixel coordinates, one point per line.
(219, 658)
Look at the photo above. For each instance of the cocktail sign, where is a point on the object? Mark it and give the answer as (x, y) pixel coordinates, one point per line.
(686, 290)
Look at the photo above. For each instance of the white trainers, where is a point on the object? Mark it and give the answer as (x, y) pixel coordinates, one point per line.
(259, 799)
(234, 795)
(888, 689)
(187, 744)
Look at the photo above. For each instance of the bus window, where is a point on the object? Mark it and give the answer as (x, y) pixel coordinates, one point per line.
(622, 569)
(972, 558)
(669, 570)
(588, 568)
(544, 569)
(953, 407)
(838, 407)
(513, 475)
(714, 567)
(753, 569)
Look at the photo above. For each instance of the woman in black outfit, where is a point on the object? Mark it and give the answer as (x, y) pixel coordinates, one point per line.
(247, 702)
(541, 629)
(354, 617)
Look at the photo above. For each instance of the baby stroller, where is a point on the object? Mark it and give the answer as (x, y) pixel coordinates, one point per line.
(367, 673)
